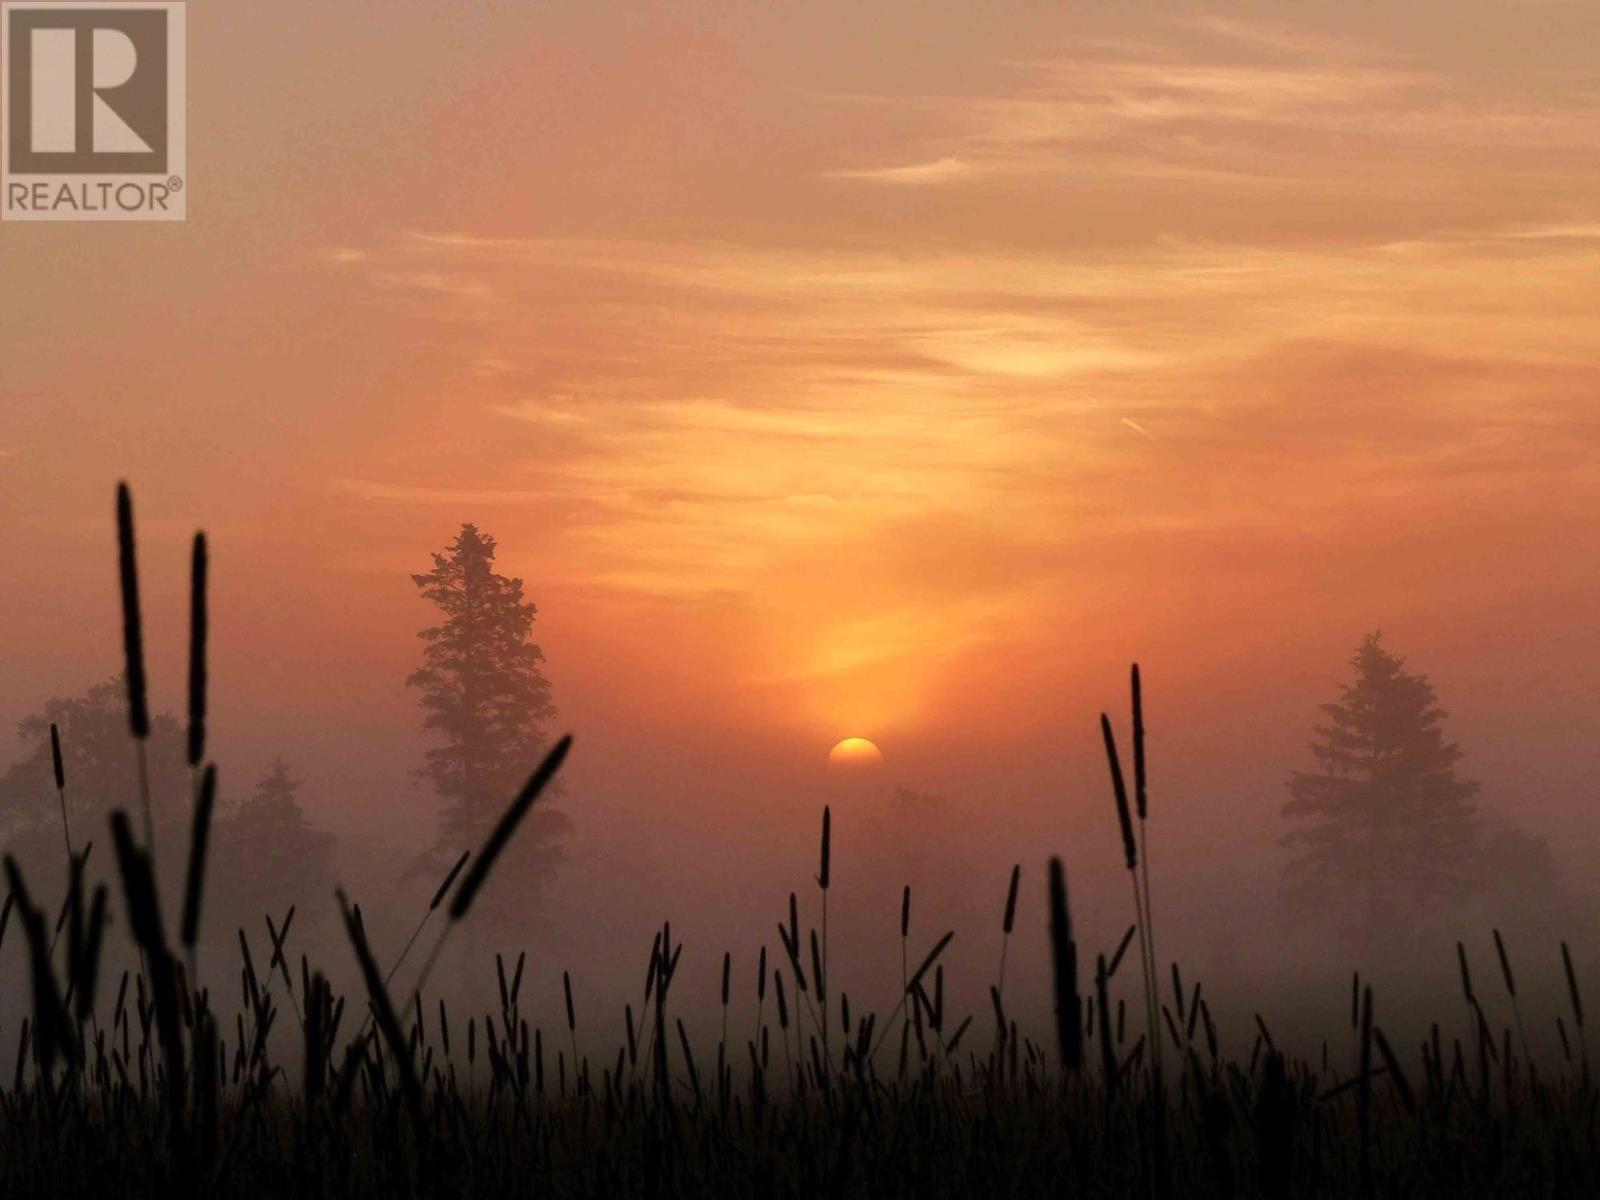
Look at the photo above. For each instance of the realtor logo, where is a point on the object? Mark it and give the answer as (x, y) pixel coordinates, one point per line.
(92, 120)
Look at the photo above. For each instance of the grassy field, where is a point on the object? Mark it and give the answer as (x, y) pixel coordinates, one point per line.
(152, 1083)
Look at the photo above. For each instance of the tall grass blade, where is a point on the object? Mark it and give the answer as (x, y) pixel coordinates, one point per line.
(198, 625)
(478, 873)
(132, 625)
(199, 839)
(1064, 961)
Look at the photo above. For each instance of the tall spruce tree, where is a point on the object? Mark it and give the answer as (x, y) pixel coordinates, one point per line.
(1385, 825)
(485, 695)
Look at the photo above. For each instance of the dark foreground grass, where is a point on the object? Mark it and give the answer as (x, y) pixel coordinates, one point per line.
(148, 1089)
(158, 1087)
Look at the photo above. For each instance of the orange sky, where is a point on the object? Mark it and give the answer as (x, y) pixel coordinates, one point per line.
(901, 373)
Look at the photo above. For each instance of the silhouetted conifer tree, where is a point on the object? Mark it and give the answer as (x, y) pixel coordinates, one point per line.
(268, 856)
(1386, 828)
(485, 695)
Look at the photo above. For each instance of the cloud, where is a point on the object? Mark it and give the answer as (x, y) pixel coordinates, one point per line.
(1575, 231)
(710, 417)
(1285, 39)
(743, 416)
(429, 281)
(452, 497)
(1232, 106)
(941, 170)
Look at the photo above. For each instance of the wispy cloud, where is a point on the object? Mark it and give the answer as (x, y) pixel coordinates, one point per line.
(940, 170)
(950, 428)
(432, 281)
(1232, 103)
(453, 497)
(704, 413)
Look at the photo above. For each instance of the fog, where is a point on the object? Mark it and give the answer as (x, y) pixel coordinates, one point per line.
(713, 829)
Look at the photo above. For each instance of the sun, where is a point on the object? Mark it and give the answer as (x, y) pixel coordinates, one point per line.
(855, 754)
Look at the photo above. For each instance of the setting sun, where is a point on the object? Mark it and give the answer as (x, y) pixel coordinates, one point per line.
(855, 754)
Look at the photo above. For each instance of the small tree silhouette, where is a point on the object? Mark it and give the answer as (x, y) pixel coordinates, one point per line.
(98, 757)
(1524, 887)
(269, 856)
(483, 691)
(1385, 822)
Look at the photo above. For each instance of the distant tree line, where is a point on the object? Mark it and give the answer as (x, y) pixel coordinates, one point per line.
(484, 698)
(265, 854)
